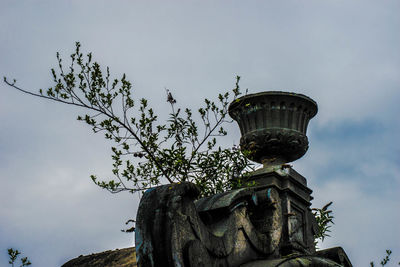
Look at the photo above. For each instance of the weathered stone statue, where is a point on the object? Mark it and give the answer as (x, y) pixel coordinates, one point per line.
(269, 224)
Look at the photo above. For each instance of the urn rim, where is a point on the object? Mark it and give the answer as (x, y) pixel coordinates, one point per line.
(256, 98)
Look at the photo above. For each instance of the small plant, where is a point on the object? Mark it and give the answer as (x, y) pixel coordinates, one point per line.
(385, 260)
(324, 220)
(13, 254)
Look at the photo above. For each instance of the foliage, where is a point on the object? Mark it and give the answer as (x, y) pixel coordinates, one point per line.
(13, 254)
(147, 152)
(324, 220)
(385, 260)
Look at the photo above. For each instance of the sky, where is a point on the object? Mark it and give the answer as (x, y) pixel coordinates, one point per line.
(343, 54)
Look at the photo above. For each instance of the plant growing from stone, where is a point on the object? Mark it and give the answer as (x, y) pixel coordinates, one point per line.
(324, 220)
(147, 152)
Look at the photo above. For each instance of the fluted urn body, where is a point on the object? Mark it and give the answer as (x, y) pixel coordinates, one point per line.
(273, 125)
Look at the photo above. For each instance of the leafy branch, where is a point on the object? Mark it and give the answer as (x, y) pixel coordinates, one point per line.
(146, 152)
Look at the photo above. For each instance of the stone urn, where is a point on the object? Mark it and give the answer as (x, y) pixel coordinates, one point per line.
(273, 125)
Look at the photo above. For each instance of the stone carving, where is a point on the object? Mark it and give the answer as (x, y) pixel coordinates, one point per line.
(215, 231)
(258, 226)
(268, 145)
(269, 224)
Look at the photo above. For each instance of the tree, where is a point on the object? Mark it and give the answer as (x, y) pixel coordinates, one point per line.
(147, 152)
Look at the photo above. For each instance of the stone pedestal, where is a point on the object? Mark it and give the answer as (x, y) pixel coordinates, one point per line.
(298, 222)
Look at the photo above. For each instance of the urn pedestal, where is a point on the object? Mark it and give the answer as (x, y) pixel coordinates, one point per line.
(273, 127)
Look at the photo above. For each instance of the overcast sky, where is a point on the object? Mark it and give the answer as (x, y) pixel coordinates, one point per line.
(343, 54)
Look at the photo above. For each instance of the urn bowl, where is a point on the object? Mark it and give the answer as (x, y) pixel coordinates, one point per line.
(273, 125)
